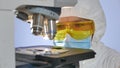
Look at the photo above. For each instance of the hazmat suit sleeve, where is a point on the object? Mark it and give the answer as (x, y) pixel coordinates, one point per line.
(105, 56)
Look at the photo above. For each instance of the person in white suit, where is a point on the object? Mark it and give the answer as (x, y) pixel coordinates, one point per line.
(91, 9)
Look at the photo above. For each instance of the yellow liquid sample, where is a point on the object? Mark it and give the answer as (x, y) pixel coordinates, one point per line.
(77, 30)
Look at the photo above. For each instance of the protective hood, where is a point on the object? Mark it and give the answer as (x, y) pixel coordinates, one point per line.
(105, 57)
(90, 10)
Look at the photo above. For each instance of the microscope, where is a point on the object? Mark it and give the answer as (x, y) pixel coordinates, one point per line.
(42, 15)
(43, 22)
(42, 19)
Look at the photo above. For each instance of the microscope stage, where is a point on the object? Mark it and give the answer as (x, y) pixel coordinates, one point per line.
(53, 56)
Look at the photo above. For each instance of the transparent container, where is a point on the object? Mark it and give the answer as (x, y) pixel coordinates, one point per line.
(75, 34)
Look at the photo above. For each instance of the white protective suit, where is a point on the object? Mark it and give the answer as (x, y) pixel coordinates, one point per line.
(105, 57)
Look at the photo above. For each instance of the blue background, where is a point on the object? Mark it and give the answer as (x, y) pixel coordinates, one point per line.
(23, 36)
(112, 13)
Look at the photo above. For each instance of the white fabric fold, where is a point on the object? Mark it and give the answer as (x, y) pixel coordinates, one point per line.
(105, 58)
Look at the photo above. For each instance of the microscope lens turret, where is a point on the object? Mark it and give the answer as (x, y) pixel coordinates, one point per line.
(49, 29)
(37, 24)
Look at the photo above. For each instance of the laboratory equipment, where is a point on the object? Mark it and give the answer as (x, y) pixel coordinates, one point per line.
(8, 11)
(51, 57)
(41, 14)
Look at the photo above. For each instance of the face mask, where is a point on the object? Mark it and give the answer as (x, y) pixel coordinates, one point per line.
(74, 34)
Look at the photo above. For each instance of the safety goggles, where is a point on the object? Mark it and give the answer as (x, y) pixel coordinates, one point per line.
(77, 30)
